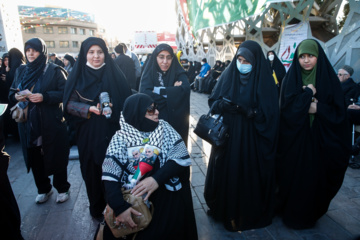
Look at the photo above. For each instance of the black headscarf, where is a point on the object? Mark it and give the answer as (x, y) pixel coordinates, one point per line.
(253, 85)
(70, 59)
(278, 67)
(257, 92)
(90, 82)
(152, 68)
(134, 112)
(3, 67)
(16, 58)
(217, 65)
(35, 68)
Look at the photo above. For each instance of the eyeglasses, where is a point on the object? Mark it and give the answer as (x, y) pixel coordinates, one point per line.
(151, 109)
(342, 74)
(163, 57)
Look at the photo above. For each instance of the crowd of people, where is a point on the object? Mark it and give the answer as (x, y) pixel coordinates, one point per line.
(286, 159)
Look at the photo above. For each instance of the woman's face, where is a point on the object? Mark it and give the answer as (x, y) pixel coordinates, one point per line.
(242, 60)
(6, 62)
(307, 61)
(270, 53)
(31, 54)
(164, 60)
(152, 114)
(66, 62)
(95, 56)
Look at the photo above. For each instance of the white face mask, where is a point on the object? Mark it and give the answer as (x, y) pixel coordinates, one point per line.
(202, 63)
(271, 57)
(243, 68)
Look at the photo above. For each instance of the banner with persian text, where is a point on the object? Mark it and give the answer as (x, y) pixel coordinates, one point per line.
(290, 39)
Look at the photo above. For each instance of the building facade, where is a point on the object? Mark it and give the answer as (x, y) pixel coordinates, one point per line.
(62, 30)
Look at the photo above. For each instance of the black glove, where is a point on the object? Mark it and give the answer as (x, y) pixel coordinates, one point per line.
(225, 106)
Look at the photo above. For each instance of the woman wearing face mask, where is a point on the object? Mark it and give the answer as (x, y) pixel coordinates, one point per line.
(240, 182)
(314, 139)
(277, 68)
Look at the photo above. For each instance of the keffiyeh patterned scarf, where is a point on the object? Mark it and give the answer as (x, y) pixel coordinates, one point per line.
(164, 140)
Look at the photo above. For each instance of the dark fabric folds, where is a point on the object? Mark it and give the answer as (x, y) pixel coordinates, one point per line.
(90, 83)
(240, 181)
(34, 69)
(175, 108)
(312, 159)
(70, 59)
(134, 112)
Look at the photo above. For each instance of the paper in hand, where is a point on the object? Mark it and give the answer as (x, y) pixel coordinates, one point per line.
(25, 93)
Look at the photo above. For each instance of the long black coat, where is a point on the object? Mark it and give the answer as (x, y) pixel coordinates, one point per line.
(55, 142)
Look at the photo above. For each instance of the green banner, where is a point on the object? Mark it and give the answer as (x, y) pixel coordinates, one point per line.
(204, 14)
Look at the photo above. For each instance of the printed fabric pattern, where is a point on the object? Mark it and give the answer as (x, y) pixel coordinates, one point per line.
(168, 145)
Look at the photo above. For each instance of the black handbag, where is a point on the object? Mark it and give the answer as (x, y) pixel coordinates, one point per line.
(212, 129)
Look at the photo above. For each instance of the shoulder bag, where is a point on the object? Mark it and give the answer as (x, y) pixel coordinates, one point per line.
(19, 112)
(141, 221)
(212, 129)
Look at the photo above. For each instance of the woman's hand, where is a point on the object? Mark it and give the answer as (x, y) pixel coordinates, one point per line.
(95, 110)
(148, 185)
(125, 217)
(177, 83)
(313, 89)
(353, 106)
(3, 77)
(20, 98)
(36, 97)
(313, 107)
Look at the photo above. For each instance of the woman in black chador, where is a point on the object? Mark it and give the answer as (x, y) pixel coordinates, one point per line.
(314, 142)
(277, 68)
(166, 82)
(93, 73)
(165, 182)
(240, 182)
(15, 59)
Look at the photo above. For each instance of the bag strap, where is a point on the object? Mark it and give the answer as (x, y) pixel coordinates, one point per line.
(210, 110)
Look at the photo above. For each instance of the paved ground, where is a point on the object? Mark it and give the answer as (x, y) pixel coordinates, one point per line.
(71, 220)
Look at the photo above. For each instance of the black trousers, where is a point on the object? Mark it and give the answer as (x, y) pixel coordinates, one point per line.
(42, 181)
(92, 173)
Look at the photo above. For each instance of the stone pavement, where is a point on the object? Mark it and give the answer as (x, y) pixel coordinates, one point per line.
(71, 220)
